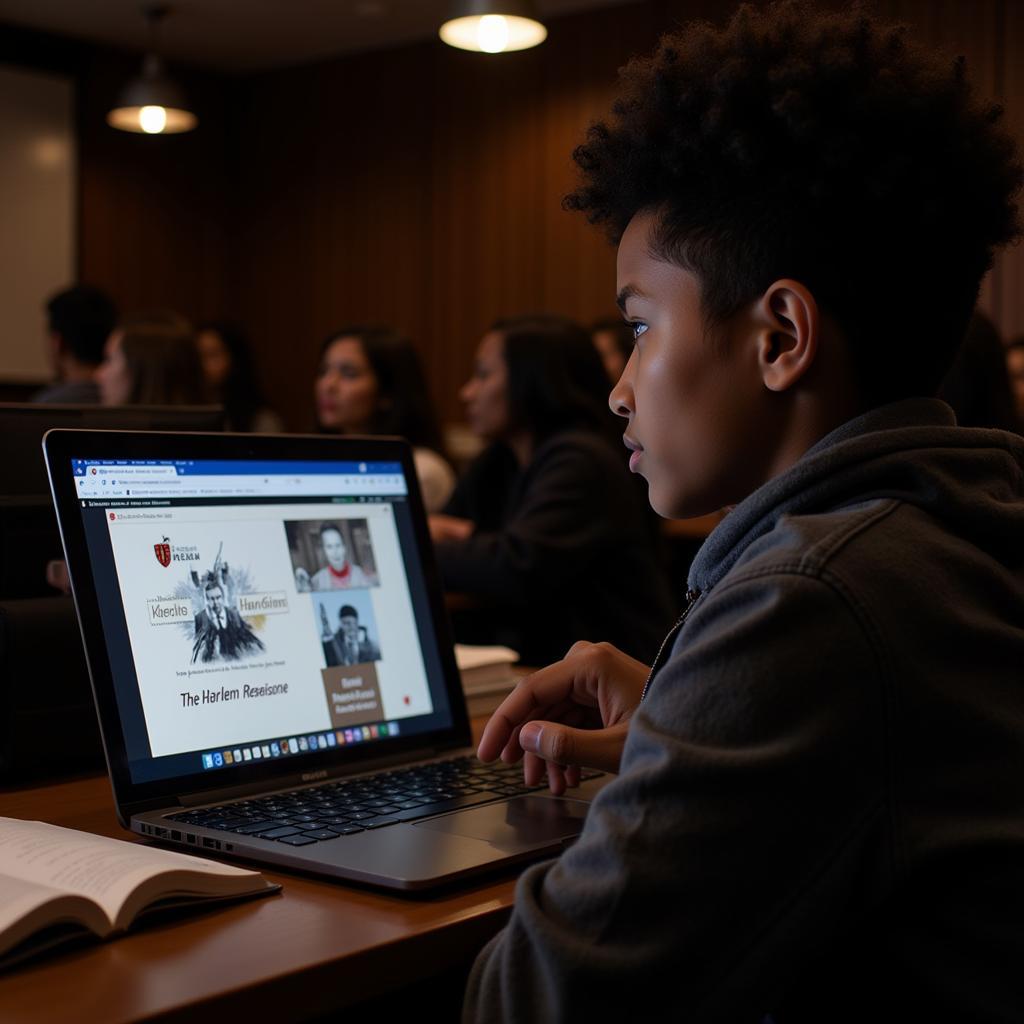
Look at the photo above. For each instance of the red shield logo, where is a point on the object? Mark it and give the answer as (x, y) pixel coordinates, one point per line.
(163, 554)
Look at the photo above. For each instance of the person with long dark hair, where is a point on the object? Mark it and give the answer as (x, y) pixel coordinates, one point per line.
(230, 378)
(371, 381)
(613, 339)
(540, 529)
(978, 385)
(151, 359)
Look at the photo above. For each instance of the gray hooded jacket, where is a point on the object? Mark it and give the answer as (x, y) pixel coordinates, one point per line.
(820, 811)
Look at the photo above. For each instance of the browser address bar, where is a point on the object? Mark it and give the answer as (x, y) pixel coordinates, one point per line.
(149, 472)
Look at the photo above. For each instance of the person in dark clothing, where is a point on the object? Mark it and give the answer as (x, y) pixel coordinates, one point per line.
(613, 339)
(545, 531)
(230, 378)
(151, 359)
(79, 320)
(818, 813)
(978, 386)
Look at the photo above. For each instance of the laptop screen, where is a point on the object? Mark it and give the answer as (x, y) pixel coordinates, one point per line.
(258, 610)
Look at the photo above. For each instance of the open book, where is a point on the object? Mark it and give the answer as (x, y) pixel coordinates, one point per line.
(57, 885)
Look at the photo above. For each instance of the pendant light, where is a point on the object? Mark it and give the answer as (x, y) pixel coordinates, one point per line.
(152, 104)
(493, 26)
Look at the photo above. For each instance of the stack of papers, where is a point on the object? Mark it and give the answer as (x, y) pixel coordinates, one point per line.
(487, 675)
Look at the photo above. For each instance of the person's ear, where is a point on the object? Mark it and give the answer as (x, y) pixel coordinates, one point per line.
(789, 333)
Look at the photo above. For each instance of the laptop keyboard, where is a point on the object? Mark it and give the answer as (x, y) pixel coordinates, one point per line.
(334, 809)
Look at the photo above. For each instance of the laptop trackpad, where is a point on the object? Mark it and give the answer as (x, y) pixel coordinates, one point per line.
(520, 823)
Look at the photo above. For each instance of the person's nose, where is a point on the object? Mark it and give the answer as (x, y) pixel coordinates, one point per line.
(621, 399)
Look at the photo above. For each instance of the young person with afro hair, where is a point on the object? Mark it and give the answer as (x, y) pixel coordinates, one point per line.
(818, 813)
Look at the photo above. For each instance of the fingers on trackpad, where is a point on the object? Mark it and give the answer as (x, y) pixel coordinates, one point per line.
(521, 823)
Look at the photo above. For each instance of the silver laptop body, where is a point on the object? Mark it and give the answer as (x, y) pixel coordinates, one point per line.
(265, 632)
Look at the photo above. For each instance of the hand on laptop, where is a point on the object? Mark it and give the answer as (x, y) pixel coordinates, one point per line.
(569, 715)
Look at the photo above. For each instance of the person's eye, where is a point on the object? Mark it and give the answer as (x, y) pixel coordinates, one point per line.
(638, 327)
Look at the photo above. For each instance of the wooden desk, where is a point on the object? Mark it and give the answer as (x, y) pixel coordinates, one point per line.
(312, 949)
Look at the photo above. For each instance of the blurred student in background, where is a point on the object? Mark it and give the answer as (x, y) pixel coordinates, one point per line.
(371, 381)
(229, 377)
(1015, 368)
(546, 531)
(78, 322)
(613, 339)
(977, 385)
(151, 360)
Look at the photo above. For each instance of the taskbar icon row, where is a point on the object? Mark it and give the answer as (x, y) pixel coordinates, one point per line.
(299, 745)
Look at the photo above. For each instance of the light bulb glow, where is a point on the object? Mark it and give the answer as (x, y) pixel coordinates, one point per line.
(152, 120)
(492, 33)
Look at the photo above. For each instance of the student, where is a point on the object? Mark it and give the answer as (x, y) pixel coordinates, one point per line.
(371, 381)
(545, 532)
(229, 377)
(78, 320)
(613, 340)
(819, 812)
(1015, 369)
(977, 387)
(151, 360)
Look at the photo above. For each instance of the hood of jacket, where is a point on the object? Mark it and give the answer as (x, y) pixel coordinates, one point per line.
(970, 480)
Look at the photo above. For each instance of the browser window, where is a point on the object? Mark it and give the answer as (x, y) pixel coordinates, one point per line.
(257, 610)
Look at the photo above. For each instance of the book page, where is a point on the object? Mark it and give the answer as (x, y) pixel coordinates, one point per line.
(105, 870)
(474, 656)
(26, 908)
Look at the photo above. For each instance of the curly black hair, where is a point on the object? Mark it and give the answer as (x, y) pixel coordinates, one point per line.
(822, 147)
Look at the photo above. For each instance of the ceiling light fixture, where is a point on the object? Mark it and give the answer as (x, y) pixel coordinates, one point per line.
(493, 26)
(152, 104)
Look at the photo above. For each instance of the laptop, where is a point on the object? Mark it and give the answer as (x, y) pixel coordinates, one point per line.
(28, 531)
(271, 660)
(23, 424)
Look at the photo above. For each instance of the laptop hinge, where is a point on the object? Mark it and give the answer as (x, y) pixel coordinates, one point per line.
(313, 778)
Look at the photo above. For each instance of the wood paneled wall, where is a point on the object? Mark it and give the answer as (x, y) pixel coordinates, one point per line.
(422, 188)
(419, 187)
(153, 212)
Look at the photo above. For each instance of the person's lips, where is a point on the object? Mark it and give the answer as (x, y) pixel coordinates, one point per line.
(637, 450)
